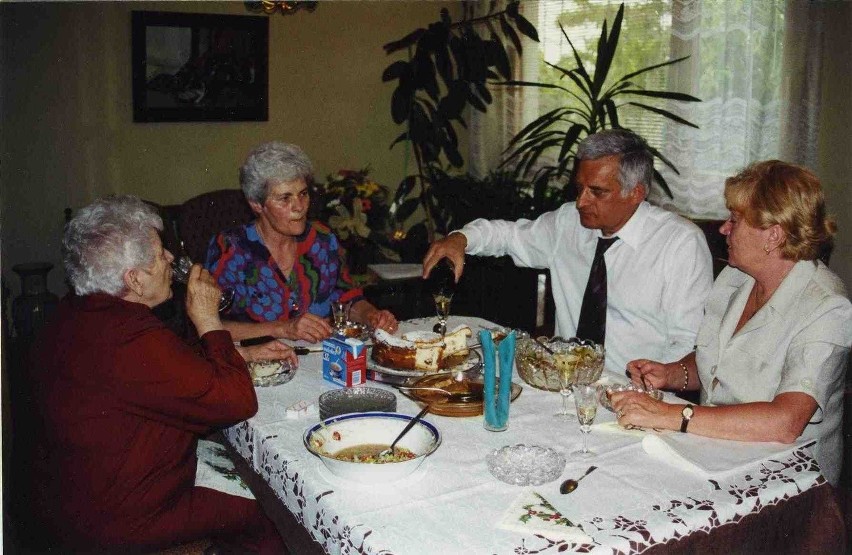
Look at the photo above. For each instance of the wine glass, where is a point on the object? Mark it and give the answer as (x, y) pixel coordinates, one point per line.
(442, 283)
(586, 402)
(566, 367)
(182, 265)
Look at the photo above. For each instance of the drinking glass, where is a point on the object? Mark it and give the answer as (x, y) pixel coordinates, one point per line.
(340, 315)
(586, 402)
(182, 265)
(442, 284)
(566, 367)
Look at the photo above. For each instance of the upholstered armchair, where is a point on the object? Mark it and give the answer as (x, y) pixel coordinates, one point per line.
(202, 217)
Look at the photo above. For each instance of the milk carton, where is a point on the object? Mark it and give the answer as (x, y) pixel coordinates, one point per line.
(344, 361)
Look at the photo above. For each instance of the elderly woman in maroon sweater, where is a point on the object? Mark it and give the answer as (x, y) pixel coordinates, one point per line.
(122, 401)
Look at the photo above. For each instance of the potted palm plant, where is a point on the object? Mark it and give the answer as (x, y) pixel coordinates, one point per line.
(592, 100)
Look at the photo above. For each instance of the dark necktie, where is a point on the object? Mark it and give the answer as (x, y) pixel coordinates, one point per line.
(592, 325)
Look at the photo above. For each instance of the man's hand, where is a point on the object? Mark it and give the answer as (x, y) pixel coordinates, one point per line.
(450, 247)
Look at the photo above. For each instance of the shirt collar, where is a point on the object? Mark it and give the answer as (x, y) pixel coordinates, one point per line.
(792, 286)
(632, 231)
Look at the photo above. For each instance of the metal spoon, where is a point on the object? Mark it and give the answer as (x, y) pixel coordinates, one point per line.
(440, 328)
(411, 423)
(571, 484)
(454, 396)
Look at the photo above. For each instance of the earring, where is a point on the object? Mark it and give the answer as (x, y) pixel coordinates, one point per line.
(766, 248)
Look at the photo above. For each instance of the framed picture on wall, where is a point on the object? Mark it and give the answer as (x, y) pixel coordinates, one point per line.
(199, 67)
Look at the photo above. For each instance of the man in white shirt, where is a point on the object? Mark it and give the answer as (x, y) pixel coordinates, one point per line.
(658, 272)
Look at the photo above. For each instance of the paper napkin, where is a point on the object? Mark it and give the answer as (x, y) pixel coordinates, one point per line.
(712, 458)
(530, 513)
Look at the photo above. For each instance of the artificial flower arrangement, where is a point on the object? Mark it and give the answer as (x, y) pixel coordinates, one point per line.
(357, 210)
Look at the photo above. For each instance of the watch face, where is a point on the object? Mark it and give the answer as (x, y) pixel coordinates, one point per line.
(687, 411)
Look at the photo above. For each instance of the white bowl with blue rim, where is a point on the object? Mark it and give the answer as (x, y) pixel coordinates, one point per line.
(370, 428)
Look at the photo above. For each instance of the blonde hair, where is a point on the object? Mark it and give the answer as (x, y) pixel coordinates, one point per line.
(774, 192)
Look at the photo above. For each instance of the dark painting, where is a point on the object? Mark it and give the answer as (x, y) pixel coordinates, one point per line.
(199, 67)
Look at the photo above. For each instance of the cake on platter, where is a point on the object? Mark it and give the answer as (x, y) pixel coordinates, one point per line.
(421, 350)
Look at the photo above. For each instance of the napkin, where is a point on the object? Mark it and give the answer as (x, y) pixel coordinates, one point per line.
(497, 398)
(530, 513)
(714, 458)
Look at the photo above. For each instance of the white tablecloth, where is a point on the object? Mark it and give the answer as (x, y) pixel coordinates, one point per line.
(453, 504)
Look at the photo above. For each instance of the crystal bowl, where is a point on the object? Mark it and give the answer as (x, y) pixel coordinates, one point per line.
(356, 399)
(266, 373)
(372, 428)
(524, 465)
(538, 367)
(605, 391)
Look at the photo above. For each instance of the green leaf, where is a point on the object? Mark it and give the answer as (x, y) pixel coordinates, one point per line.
(406, 41)
(525, 27)
(662, 94)
(395, 71)
(571, 137)
(400, 104)
(541, 121)
(661, 181)
(499, 57)
(509, 32)
(612, 112)
(651, 68)
(401, 138)
(405, 186)
(664, 113)
(663, 159)
(607, 47)
(407, 208)
(581, 69)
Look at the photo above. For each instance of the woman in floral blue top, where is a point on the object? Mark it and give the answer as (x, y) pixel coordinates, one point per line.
(284, 270)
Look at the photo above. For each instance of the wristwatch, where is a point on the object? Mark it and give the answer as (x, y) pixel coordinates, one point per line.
(686, 413)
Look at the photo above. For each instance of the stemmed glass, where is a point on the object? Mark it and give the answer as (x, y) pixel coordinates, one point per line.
(443, 285)
(586, 402)
(566, 367)
(182, 265)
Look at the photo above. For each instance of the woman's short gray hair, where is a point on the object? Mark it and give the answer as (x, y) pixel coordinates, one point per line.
(274, 162)
(636, 164)
(107, 238)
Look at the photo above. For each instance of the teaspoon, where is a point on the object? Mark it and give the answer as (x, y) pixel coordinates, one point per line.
(571, 484)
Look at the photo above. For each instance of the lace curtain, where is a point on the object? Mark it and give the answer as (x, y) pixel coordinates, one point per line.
(735, 67)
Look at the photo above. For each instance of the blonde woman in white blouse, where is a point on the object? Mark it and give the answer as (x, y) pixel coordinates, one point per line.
(771, 353)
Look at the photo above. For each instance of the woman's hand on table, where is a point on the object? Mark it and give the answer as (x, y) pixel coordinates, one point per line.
(383, 319)
(307, 327)
(634, 408)
(272, 350)
(649, 373)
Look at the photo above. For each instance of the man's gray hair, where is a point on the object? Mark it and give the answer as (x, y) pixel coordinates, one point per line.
(274, 162)
(107, 238)
(636, 164)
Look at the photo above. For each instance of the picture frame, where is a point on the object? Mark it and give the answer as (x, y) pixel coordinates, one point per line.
(199, 67)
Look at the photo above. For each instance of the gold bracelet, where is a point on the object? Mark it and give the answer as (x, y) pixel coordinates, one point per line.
(685, 376)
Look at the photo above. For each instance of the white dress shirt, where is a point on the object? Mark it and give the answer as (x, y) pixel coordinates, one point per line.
(797, 342)
(658, 275)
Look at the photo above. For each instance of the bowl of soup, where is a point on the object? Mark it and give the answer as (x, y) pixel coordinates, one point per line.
(348, 445)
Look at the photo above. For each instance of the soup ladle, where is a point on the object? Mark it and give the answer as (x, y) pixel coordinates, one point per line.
(411, 423)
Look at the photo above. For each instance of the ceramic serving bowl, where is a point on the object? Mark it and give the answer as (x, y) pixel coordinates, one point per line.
(539, 367)
(370, 428)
